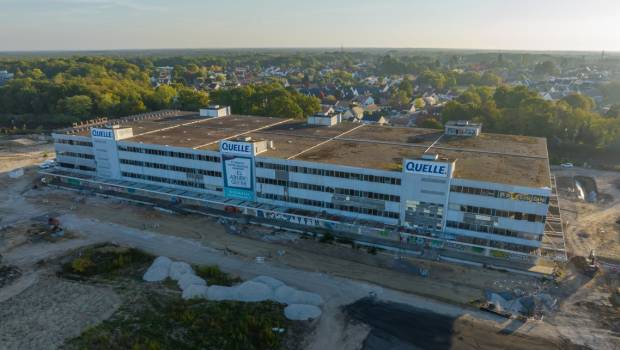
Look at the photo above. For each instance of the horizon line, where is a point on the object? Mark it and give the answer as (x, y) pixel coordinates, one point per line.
(337, 48)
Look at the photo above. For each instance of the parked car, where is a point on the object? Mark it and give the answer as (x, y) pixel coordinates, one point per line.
(566, 165)
(50, 163)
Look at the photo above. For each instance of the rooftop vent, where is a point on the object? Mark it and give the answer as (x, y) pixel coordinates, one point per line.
(215, 111)
(462, 128)
(430, 156)
(324, 120)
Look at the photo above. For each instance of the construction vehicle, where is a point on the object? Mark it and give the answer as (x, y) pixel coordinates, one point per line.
(592, 264)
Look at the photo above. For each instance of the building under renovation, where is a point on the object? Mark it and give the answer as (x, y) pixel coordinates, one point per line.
(459, 190)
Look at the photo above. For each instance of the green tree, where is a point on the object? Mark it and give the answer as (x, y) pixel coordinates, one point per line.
(611, 92)
(581, 101)
(407, 87)
(430, 123)
(78, 105)
(162, 98)
(546, 68)
(191, 100)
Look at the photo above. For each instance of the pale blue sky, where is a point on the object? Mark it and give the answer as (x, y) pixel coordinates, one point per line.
(484, 24)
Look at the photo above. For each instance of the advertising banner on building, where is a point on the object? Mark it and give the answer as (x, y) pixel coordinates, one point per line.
(237, 167)
(238, 177)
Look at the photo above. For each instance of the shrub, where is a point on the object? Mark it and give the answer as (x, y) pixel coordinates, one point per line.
(82, 265)
(327, 238)
(214, 275)
(106, 259)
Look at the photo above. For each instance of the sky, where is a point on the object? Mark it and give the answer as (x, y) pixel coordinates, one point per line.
(579, 25)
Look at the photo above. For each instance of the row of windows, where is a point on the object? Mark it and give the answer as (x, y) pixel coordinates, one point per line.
(165, 180)
(320, 204)
(73, 166)
(76, 155)
(425, 209)
(330, 173)
(171, 167)
(500, 194)
(515, 215)
(493, 230)
(496, 244)
(327, 189)
(75, 143)
(172, 154)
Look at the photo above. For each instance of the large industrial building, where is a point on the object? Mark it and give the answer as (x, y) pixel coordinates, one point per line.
(458, 189)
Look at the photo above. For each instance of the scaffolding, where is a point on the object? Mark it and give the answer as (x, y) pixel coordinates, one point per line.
(553, 240)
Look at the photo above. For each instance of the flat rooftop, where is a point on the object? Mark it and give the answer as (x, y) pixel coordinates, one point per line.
(509, 159)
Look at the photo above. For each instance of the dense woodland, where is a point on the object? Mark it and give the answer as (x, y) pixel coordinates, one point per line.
(51, 92)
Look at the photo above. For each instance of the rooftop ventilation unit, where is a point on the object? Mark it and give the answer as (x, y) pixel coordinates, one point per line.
(215, 111)
(430, 156)
(462, 128)
(324, 120)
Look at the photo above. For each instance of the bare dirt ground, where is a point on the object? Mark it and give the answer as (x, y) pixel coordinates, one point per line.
(51, 310)
(592, 226)
(340, 274)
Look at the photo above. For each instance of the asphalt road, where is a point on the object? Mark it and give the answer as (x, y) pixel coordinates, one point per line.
(399, 326)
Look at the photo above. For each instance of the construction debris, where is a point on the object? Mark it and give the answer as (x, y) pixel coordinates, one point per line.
(17, 173)
(511, 305)
(615, 297)
(8, 274)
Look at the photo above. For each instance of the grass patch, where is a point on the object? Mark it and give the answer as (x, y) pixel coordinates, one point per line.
(105, 259)
(327, 238)
(154, 321)
(214, 275)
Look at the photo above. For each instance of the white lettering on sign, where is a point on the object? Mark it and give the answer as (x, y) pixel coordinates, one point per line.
(422, 167)
(238, 173)
(233, 147)
(104, 133)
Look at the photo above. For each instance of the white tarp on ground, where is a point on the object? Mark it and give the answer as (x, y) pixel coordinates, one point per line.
(178, 269)
(195, 291)
(219, 293)
(299, 312)
(301, 305)
(269, 281)
(159, 270)
(287, 295)
(253, 291)
(17, 173)
(190, 279)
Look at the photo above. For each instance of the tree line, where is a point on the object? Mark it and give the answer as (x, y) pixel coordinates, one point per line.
(571, 120)
(56, 92)
(271, 100)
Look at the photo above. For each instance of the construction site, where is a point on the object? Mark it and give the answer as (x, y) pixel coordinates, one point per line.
(440, 302)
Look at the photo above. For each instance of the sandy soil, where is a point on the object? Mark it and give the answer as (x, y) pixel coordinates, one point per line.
(52, 310)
